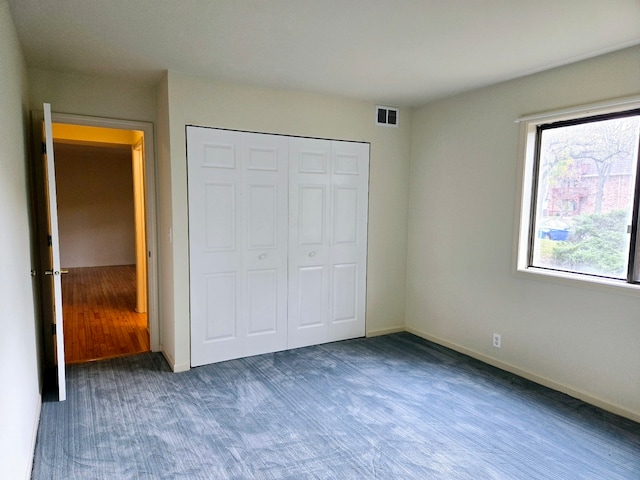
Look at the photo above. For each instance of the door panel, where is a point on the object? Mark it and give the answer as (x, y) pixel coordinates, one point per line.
(345, 162)
(219, 216)
(345, 219)
(309, 241)
(312, 214)
(262, 158)
(220, 310)
(238, 241)
(265, 243)
(262, 216)
(328, 240)
(262, 288)
(345, 292)
(218, 155)
(312, 298)
(215, 257)
(350, 184)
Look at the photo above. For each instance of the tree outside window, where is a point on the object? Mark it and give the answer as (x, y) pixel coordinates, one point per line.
(585, 193)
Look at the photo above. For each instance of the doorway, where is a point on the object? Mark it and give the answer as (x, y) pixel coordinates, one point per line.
(101, 212)
(109, 283)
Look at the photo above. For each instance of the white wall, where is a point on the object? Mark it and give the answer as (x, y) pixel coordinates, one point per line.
(95, 206)
(19, 371)
(165, 258)
(192, 100)
(460, 282)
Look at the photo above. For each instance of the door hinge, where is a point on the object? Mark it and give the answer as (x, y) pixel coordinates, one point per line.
(53, 329)
(49, 241)
(44, 148)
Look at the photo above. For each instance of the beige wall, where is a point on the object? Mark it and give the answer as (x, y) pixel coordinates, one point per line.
(198, 101)
(91, 95)
(462, 208)
(19, 371)
(95, 206)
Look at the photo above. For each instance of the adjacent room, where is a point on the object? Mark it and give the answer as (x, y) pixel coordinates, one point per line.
(100, 206)
(352, 239)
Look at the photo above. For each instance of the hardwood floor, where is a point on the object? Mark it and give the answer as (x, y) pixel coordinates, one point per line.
(99, 314)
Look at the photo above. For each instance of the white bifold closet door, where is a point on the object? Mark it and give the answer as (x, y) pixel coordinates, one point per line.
(277, 242)
(238, 231)
(328, 199)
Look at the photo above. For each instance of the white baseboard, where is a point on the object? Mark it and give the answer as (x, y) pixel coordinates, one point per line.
(572, 392)
(181, 367)
(385, 331)
(175, 367)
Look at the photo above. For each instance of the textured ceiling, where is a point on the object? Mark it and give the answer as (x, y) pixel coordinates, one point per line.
(397, 52)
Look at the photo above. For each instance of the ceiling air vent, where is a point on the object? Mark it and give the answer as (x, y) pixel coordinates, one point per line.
(387, 116)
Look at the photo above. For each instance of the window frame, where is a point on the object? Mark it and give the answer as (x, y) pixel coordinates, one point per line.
(527, 175)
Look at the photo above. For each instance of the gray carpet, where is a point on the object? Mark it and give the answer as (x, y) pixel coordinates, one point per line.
(392, 407)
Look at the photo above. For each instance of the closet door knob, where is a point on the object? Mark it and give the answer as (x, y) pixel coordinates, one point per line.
(312, 254)
(263, 256)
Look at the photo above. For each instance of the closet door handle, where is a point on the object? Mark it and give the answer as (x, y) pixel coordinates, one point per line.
(312, 254)
(263, 256)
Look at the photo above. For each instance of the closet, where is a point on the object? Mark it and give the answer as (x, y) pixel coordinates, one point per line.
(277, 242)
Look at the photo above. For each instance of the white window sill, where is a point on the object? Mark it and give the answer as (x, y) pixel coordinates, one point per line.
(581, 281)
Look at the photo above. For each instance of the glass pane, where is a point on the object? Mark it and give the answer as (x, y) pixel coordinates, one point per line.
(584, 198)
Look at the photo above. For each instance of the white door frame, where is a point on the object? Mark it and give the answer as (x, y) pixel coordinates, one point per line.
(150, 207)
(56, 271)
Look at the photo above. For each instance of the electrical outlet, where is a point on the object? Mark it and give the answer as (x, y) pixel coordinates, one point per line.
(497, 340)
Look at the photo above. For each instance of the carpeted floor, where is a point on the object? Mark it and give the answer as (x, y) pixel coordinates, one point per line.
(392, 407)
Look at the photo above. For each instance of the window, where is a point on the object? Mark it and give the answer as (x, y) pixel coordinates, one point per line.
(580, 194)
